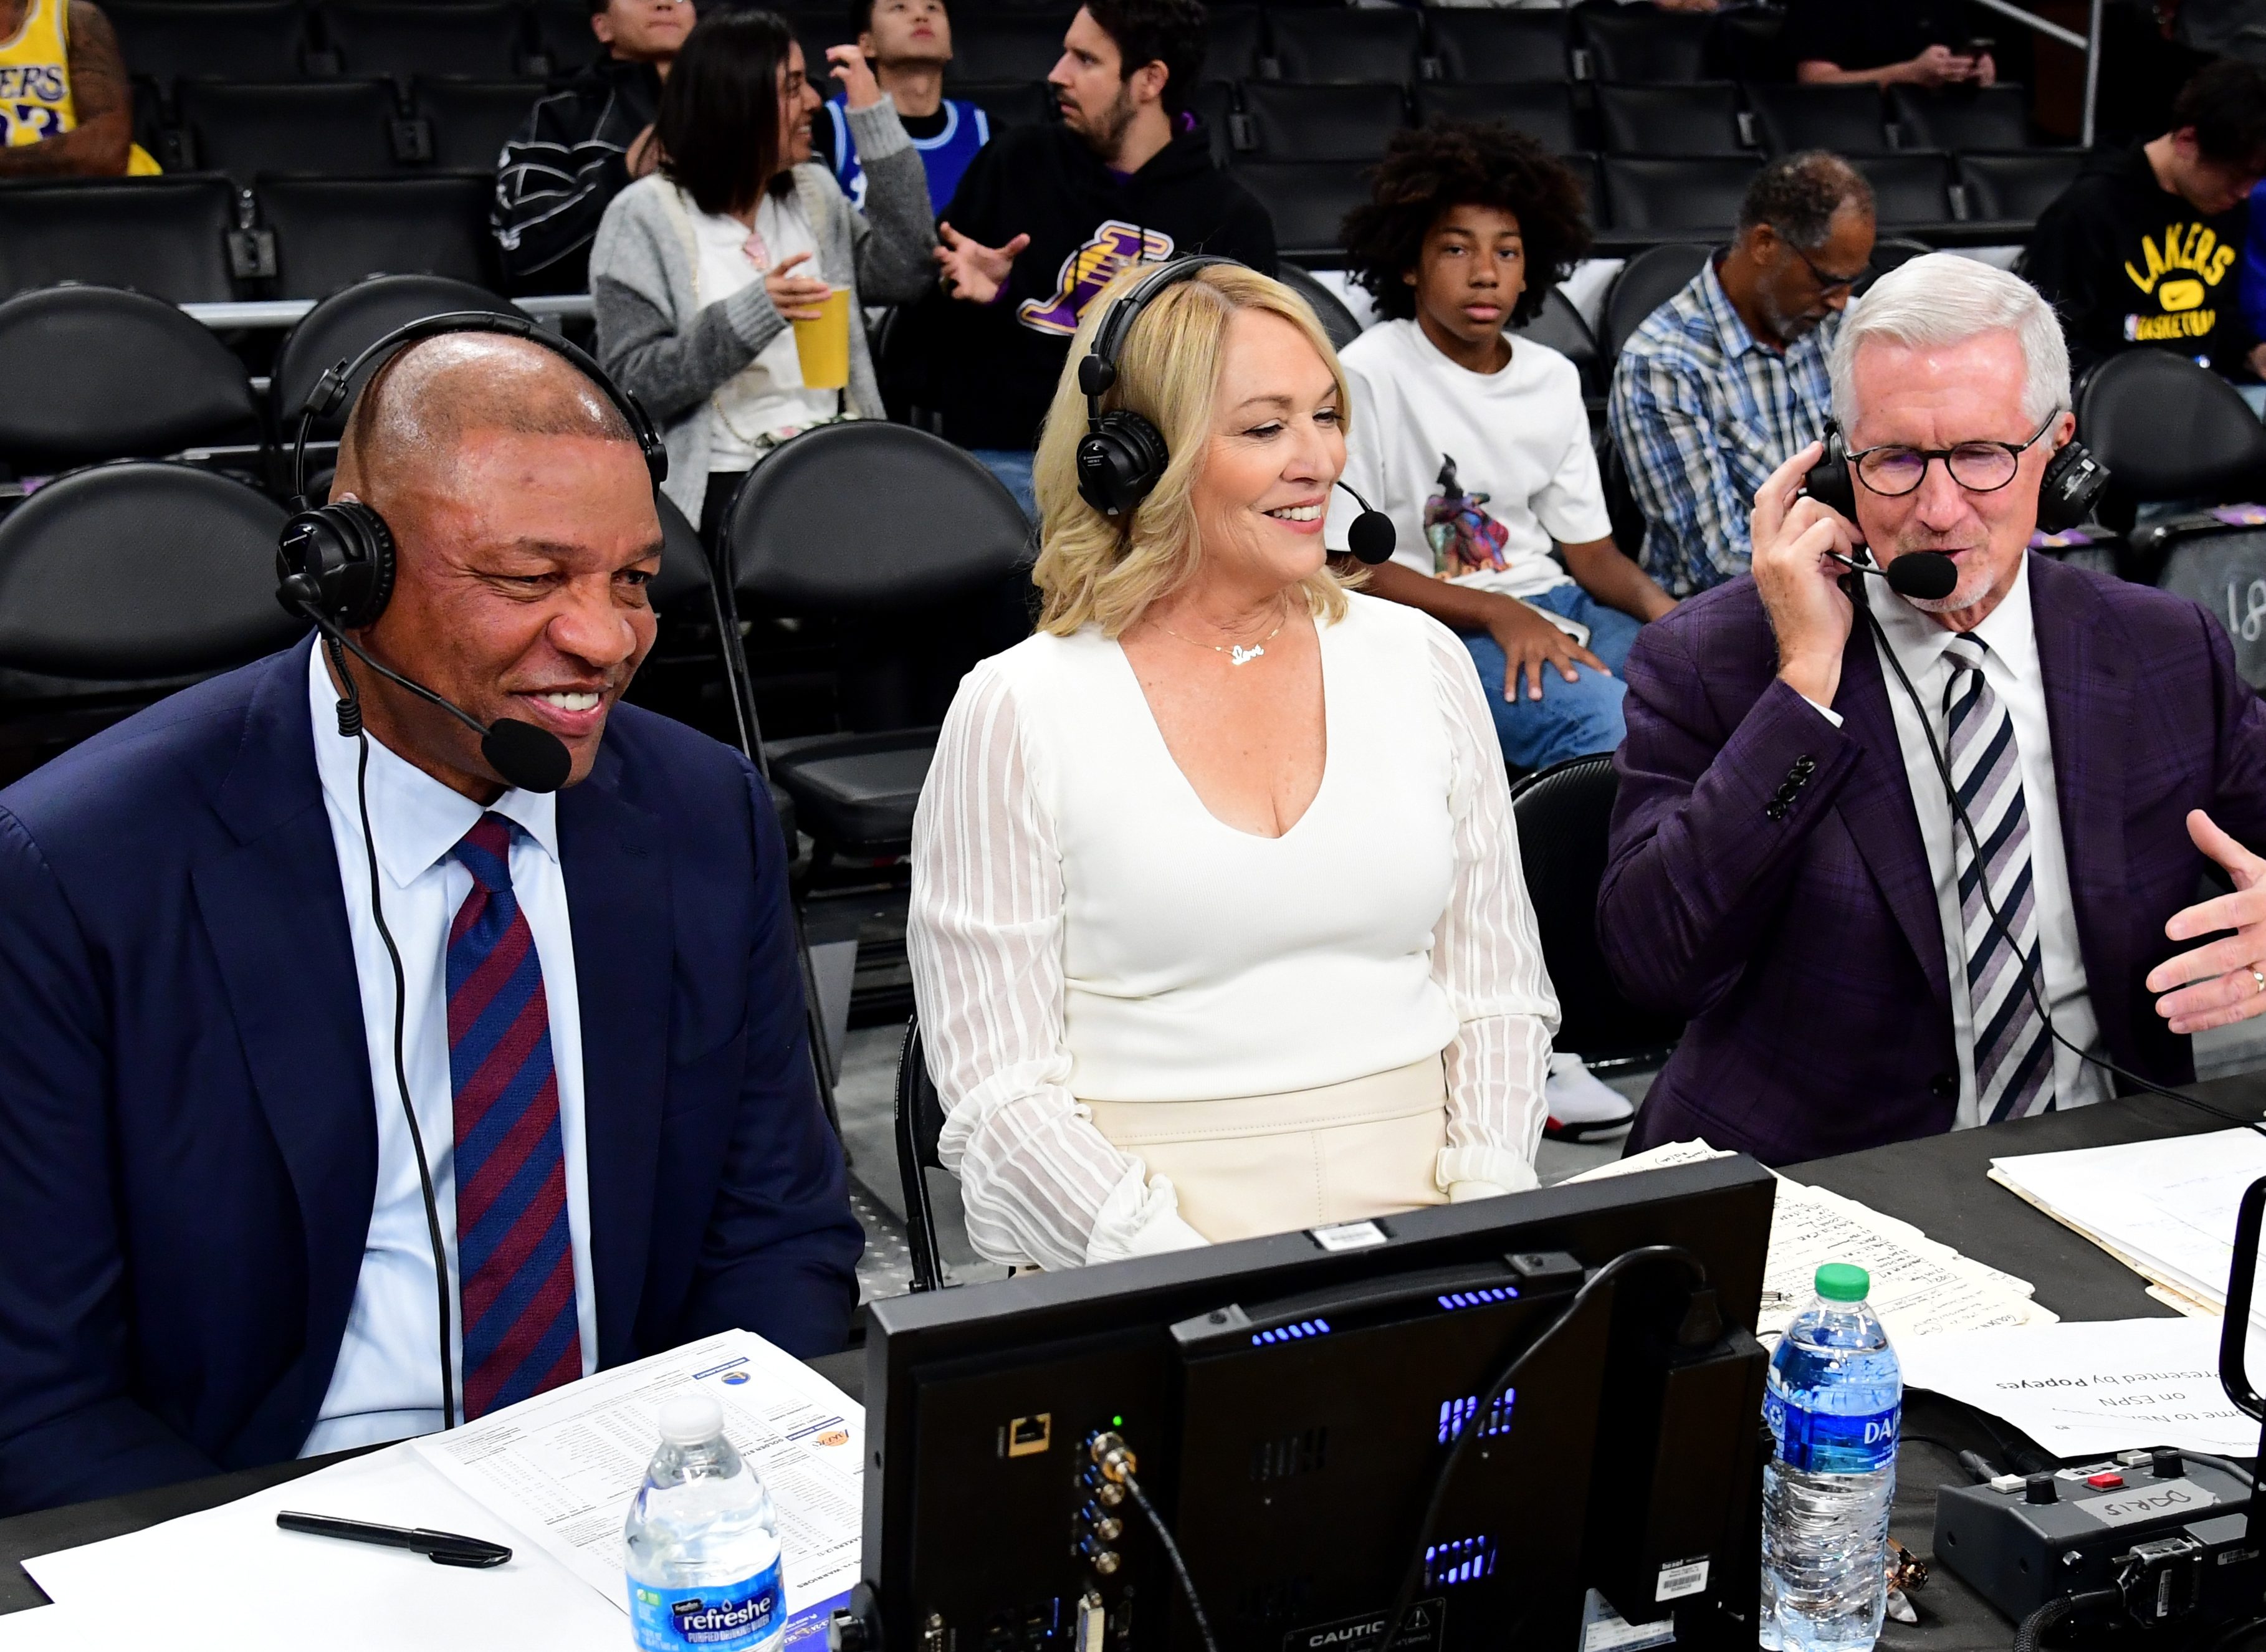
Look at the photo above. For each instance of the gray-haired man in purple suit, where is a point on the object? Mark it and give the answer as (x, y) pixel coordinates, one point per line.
(1787, 868)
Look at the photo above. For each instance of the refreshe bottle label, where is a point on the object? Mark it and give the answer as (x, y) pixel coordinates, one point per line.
(721, 1619)
(1831, 1443)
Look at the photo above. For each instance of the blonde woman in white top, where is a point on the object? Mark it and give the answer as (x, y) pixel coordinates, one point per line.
(1217, 926)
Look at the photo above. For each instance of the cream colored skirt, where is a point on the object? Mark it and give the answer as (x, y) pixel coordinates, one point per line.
(1300, 1158)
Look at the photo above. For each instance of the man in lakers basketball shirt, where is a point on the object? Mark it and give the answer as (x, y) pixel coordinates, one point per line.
(2146, 248)
(1047, 215)
(65, 109)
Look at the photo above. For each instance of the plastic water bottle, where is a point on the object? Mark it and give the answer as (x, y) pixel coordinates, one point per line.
(703, 1541)
(1835, 1397)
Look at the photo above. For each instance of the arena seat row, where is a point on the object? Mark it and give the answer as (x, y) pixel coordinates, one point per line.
(1285, 121)
(168, 41)
(201, 238)
(1636, 200)
(337, 128)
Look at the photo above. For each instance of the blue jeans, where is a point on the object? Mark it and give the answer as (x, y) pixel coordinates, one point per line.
(1571, 720)
(1012, 467)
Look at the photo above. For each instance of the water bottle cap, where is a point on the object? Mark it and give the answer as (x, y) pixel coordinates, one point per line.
(691, 1419)
(1841, 1281)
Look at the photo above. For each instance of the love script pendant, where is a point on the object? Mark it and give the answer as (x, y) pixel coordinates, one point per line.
(1240, 655)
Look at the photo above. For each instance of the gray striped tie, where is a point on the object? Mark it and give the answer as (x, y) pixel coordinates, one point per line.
(2014, 1052)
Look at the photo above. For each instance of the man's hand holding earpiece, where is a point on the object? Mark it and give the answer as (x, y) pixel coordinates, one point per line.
(1800, 590)
(2223, 980)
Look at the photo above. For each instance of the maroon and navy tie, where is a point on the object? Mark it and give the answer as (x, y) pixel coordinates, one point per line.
(515, 1264)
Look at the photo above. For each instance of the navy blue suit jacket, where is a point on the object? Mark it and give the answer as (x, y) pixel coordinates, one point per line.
(188, 1145)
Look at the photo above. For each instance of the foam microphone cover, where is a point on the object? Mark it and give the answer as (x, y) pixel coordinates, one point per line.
(1926, 574)
(528, 758)
(1371, 537)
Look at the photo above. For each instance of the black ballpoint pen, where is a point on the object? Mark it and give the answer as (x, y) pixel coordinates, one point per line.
(443, 1548)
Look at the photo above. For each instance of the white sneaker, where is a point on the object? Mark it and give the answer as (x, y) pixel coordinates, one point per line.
(1581, 1105)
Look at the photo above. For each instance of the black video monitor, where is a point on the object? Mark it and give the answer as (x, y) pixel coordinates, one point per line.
(1291, 1401)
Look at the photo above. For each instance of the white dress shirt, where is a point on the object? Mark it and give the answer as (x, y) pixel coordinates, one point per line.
(2010, 665)
(387, 1383)
(1083, 929)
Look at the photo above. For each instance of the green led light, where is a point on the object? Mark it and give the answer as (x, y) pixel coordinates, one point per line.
(1116, 1422)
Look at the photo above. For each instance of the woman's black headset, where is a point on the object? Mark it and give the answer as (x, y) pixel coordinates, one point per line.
(1123, 455)
(335, 562)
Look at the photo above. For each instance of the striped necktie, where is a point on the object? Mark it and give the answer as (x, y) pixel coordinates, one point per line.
(2014, 1052)
(515, 1264)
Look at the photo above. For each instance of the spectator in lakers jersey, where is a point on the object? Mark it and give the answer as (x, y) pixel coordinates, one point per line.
(907, 42)
(1047, 215)
(65, 108)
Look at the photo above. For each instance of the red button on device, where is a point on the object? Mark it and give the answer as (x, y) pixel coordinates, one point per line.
(2104, 1483)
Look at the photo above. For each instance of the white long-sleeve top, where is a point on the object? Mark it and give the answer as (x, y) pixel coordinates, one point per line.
(1083, 927)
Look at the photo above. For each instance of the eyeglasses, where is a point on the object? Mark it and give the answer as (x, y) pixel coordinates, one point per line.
(1980, 467)
(1829, 283)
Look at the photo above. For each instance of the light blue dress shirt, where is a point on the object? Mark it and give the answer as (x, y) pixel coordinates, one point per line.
(387, 1383)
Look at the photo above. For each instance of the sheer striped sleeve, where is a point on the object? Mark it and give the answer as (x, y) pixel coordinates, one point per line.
(1039, 1183)
(1487, 955)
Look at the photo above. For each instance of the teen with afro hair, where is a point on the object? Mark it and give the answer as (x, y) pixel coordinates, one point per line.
(1478, 448)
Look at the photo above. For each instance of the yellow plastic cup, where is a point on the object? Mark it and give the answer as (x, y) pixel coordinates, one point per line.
(824, 346)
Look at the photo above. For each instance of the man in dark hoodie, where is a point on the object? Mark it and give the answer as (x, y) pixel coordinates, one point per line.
(2146, 247)
(1047, 215)
(582, 144)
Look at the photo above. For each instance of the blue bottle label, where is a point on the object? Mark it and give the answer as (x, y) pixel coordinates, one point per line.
(1831, 1443)
(725, 1617)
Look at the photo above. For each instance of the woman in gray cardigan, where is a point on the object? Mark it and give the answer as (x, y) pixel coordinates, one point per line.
(698, 269)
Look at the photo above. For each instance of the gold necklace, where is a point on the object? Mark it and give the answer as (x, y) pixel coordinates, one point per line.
(1236, 653)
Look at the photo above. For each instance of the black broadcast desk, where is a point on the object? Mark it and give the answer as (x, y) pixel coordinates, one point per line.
(1938, 1185)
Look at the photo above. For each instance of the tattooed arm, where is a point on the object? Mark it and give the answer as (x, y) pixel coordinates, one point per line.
(97, 146)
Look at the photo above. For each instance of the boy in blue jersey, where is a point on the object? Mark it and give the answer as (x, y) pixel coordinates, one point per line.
(910, 42)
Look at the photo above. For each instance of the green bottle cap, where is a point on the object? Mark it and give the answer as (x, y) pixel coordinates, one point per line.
(1840, 1282)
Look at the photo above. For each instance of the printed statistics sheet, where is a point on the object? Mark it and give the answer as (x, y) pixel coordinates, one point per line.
(563, 1466)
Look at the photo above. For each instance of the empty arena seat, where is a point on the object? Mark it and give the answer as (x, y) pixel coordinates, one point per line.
(1962, 117)
(2168, 429)
(347, 127)
(1909, 188)
(1701, 119)
(234, 40)
(481, 40)
(1009, 103)
(332, 231)
(2018, 186)
(1629, 44)
(1643, 284)
(469, 121)
(1337, 321)
(1322, 123)
(167, 237)
(563, 37)
(1308, 200)
(1652, 195)
(1543, 109)
(347, 323)
(1557, 325)
(1347, 46)
(1005, 48)
(120, 375)
(1489, 45)
(1845, 120)
(1748, 44)
(1235, 42)
(1215, 104)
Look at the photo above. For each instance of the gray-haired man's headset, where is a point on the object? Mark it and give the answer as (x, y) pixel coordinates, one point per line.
(1122, 456)
(335, 564)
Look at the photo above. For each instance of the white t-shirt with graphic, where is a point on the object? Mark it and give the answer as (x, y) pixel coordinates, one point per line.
(1480, 472)
(766, 397)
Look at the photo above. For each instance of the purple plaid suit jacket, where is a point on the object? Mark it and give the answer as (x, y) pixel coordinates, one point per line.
(1805, 950)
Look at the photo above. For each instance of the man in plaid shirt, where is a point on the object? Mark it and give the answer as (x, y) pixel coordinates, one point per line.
(1726, 381)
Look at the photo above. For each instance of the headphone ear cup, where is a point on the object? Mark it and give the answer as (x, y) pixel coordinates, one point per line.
(1827, 481)
(2070, 488)
(1120, 462)
(341, 559)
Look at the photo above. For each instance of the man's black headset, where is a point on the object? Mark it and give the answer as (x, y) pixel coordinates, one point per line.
(2070, 487)
(1122, 456)
(335, 562)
